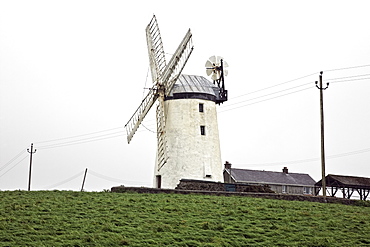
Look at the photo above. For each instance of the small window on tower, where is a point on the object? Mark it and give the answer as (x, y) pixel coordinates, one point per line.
(201, 107)
(203, 130)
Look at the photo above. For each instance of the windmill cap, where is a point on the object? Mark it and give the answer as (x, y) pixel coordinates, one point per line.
(193, 86)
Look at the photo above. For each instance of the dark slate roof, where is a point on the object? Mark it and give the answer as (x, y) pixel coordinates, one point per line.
(268, 177)
(346, 181)
(194, 84)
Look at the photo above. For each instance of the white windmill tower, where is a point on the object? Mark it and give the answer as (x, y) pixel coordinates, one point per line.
(187, 130)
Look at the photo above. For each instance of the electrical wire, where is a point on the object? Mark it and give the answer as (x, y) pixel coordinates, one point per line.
(267, 94)
(12, 159)
(346, 68)
(299, 78)
(148, 129)
(240, 102)
(14, 165)
(71, 137)
(110, 179)
(349, 153)
(81, 141)
(358, 79)
(221, 111)
(346, 77)
(311, 159)
(65, 181)
(88, 140)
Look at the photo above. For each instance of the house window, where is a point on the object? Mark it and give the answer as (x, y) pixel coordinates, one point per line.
(307, 190)
(284, 189)
(201, 107)
(203, 130)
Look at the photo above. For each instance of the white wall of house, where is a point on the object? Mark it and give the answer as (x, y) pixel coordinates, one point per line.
(292, 189)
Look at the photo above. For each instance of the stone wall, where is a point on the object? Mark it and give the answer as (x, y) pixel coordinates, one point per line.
(188, 184)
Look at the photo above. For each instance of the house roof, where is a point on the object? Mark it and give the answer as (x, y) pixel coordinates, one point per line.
(268, 177)
(346, 181)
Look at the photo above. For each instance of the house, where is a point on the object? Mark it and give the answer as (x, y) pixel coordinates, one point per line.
(280, 182)
(347, 185)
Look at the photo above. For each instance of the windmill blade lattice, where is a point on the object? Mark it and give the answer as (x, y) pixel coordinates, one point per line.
(177, 62)
(140, 113)
(155, 51)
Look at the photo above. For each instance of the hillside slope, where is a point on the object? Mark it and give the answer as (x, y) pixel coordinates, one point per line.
(66, 218)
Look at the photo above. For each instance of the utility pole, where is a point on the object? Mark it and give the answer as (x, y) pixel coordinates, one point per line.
(83, 181)
(323, 181)
(29, 174)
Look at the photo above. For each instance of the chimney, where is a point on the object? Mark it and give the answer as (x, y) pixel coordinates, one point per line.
(285, 170)
(227, 165)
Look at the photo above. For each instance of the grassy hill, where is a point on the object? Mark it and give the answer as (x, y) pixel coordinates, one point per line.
(66, 218)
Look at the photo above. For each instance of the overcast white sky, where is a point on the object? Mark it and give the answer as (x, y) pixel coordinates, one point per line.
(73, 72)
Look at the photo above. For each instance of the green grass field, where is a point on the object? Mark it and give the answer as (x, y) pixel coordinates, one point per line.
(66, 218)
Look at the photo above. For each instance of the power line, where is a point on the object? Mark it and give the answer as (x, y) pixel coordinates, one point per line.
(12, 159)
(266, 95)
(226, 106)
(311, 159)
(148, 129)
(71, 137)
(65, 181)
(349, 153)
(266, 99)
(14, 165)
(85, 140)
(358, 79)
(354, 67)
(116, 180)
(279, 84)
(346, 77)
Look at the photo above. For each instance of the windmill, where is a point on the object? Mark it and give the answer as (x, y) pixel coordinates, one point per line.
(187, 132)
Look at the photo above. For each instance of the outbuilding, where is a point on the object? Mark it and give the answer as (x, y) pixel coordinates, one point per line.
(347, 185)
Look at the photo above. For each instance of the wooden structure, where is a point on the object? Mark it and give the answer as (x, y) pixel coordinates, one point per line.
(347, 185)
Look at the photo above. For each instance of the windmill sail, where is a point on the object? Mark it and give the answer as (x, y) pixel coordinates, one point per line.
(140, 113)
(163, 76)
(177, 62)
(161, 136)
(155, 50)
